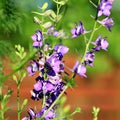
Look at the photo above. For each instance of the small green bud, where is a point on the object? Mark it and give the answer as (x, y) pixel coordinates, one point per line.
(44, 7)
(66, 109)
(15, 78)
(63, 100)
(77, 110)
(25, 101)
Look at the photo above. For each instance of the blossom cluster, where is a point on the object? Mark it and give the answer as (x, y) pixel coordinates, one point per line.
(101, 43)
(49, 83)
(50, 66)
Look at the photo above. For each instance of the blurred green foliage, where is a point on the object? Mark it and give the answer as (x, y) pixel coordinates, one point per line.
(21, 19)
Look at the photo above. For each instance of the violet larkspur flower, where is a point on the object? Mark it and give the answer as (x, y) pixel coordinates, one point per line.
(38, 39)
(33, 68)
(89, 58)
(50, 115)
(48, 87)
(107, 22)
(61, 49)
(100, 43)
(53, 32)
(38, 86)
(104, 7)
(80, 69)
(36, 95)
(78, 30)
(32, 115)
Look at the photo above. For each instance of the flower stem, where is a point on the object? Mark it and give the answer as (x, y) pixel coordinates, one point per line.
(89, 41)
(54, 102)
(43, 101)
(18, 100)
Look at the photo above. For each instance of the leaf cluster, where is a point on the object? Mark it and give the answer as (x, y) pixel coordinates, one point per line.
(10, 17)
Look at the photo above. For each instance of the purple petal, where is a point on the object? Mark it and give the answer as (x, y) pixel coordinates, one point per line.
(104, 44)
(38, 86)
(81, 70)
(61, 49)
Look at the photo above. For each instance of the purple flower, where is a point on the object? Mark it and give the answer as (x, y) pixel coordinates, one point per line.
(107, 22)
(48, 70)
(38, 86)
(80, 69)
(104, 7)
(78, 30)
(50, 115)
(54, 63)
(33, 68)
(48, 87)
(37, 38)
(89, 58)
(100, 43)
(61, 49)
(53, 32)
(55, 94)
(26, 118)
(56, 33)
(32, 114)
(104, 44)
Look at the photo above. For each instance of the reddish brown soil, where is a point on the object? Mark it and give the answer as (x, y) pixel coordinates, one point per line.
(101, 90)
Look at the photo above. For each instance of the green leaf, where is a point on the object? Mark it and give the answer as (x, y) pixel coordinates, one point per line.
(6, 48)
(24, 55)
(20, 51)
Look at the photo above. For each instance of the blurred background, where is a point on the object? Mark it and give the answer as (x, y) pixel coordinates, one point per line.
(102, 86)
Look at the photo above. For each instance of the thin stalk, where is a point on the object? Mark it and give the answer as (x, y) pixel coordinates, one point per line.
(91, 37)
(58, 11)
(54, 102)
(18, 100)
(2, 112)
(2, 105)
(43, 101)
(89, 41)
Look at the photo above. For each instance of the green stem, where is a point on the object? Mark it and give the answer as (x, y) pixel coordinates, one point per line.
(18, 100)
(58, 11)
(88, 44)
(54, 102)
(43, 101)
(2, 105)
(2, 111)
